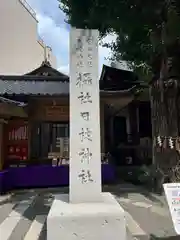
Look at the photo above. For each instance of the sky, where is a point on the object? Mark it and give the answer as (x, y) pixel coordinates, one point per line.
(55, 33)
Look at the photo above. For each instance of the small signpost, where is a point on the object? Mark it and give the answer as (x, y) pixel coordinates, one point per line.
(172, 192)
(85, 153)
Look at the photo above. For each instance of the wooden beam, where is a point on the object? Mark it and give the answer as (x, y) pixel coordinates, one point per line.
(7, 109)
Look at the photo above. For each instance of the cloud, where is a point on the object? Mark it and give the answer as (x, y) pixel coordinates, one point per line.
(105, 52)
(57, 37)
(64, 69)
(55, 33)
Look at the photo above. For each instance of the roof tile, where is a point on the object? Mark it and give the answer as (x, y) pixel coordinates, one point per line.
(33, 87)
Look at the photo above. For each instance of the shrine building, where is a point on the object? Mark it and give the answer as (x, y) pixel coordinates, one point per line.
(34, 126)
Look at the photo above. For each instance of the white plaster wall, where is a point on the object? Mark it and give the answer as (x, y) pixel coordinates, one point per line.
(20, 52)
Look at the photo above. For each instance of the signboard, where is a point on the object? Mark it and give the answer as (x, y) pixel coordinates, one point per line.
(85, 157)
(17, 140)
(172, 192)
(57, 111)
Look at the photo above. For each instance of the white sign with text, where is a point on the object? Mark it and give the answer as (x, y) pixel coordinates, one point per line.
(85, 157)
(172, 192)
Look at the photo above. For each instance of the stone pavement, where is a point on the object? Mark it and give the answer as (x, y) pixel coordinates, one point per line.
(23, 215)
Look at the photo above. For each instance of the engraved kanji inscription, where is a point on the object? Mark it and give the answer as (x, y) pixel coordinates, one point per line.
(85, 155)
(85, 134)
(79, 64)
(90, 56)
(85, 176)
(90, 39)
(89, 62)
(83, 79)
(90, 49)
(85, 116)
(79, 45)
(85, 97)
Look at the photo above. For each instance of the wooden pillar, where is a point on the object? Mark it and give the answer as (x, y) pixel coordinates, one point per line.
(133, 122)
(29, 140)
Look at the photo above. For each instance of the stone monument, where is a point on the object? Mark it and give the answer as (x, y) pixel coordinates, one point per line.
(85, 213)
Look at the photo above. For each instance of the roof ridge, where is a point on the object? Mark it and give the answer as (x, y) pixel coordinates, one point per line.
(47, 65)
(36, 78)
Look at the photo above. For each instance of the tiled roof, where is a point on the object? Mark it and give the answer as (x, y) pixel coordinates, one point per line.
(46, 70)
(33, 87)
(117, 79)
(43, 85)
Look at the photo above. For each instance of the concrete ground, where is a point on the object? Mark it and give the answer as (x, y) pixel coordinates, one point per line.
(23, 214)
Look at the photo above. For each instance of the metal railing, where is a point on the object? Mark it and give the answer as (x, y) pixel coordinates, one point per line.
(28, 8)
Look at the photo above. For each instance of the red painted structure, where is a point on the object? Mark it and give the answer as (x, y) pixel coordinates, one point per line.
(16, 140)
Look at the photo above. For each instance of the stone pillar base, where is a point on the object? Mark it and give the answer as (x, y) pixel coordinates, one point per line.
(86, 221)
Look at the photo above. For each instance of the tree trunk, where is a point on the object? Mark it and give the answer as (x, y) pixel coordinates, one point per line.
(165, 121)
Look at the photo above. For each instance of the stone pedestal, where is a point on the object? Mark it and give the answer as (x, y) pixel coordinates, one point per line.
(86, 221)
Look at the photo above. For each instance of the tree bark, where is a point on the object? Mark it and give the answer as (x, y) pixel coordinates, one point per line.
(165, 120)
